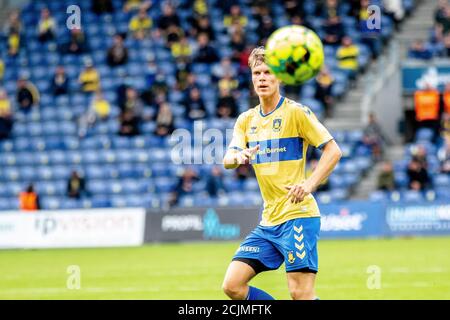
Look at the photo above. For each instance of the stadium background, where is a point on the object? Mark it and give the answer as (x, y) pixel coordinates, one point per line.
(135, 193)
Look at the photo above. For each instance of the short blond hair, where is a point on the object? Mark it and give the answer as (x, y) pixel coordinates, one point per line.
(257, 56)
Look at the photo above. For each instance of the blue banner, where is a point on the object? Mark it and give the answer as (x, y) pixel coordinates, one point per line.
(418, 219)
(416, 77)
(352, 219)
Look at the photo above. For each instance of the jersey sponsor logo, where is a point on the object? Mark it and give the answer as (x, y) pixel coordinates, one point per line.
(275, 150)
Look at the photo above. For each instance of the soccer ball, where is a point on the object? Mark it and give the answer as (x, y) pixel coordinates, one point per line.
(294, 54)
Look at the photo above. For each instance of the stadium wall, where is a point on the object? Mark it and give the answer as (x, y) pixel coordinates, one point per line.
(134, 227)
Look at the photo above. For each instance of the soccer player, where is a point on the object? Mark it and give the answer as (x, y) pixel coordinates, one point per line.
(274, 136)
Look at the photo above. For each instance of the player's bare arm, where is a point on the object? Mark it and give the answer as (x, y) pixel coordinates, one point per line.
(234, 158)
(330, 157)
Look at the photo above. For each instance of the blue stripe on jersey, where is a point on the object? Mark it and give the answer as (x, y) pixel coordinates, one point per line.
(276, 150)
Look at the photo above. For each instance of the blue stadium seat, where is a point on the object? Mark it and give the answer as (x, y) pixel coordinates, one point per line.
(442, 180)
(378, 196)
(412, 195)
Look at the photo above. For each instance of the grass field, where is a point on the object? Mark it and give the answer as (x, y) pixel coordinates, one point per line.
(417, 268)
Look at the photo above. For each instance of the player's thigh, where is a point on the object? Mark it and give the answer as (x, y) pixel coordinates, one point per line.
(238, 274)
(301, 284)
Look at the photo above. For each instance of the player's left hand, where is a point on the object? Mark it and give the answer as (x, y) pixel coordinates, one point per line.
(298, 192)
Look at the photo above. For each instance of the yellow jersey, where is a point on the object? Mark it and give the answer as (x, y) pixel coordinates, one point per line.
(283, 136)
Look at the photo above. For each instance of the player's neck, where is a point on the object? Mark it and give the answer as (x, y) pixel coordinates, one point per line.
(268, 104)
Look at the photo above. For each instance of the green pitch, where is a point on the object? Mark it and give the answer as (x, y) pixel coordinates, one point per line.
(417, 268)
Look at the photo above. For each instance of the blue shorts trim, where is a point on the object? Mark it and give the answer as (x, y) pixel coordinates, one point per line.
(293, 242)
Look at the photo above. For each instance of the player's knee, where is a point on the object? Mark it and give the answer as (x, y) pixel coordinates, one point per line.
(234, 290)
(302, 294)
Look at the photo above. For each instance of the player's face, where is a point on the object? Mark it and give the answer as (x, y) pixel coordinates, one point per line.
(264, 82)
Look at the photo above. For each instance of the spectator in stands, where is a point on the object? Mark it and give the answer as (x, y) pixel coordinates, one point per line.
(181, 50)
(334, 30)
(226, 105)
(237, 44)
(141, 24)
(444, 151)
(325, 184)
(439, 12)
(172, 35)
(235, 17)
(202, 25)
(129, 123)
(89, 78)
(445, 124)
(29, 199)
(195, 107)
(168, 18)
(6, 119)
(27, 94)
(224, 67)
(164, 120)
(100, 7)
(228, 82)
(132, 5)
(13, 25)
(446, 45)
(76, 186)
(13, 44)
(184, 186)
(214, 183)
(60, 82)
(199, 7)
(13, 31)
(205, 53)
(98, 110)
(294, 8)
(330, 9)
(386, 178)
(77, 42)
(419, 153)
(418, 50)
(374, 138)
(2, 70)
(46, 27)
(347, 56)
(427, 104)
(418, 176)
(444, 20)
(266, 28)
(117, 54)
(158, 89)
(323, 90)
(132, 101)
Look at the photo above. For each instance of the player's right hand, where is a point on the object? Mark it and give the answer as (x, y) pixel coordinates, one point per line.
(244, 156)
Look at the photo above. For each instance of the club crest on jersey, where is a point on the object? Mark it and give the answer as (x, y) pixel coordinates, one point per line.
(253, 130)
(291, 257)
(276, 125)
